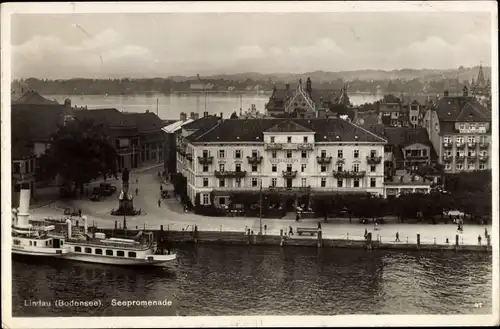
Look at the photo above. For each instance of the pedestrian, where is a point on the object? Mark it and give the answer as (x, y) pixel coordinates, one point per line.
(397, 237)
(159, 203)
(485, 232)
(291, 231)
(319, 225)
(161, 187)
(80, 213)
(366, 233)
(136, 191)
(265, 229)
(137, 180)
(297, 216)
(77, 223)
(479, 239)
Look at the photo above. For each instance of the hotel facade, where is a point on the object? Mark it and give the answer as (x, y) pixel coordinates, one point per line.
(294, 157)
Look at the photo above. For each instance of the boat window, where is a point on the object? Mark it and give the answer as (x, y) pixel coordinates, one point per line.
(31, 243)
(46, 243)
(132, 254)
(98, 251)
(109, 252)
(62, 242)
(88, 250)
(34, 243)
(78, 249)
(120, 253)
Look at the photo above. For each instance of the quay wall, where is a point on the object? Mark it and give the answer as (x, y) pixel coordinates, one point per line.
(240, 238)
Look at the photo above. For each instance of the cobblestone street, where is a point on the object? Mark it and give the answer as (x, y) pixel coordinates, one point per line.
(171, 215)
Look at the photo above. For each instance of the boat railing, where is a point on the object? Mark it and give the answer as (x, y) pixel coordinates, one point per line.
(135, 245)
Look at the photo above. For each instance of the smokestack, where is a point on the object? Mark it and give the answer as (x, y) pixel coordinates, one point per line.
(68, 222)
(85, 224)
(24, 208)
(205, 114)
(183, 116)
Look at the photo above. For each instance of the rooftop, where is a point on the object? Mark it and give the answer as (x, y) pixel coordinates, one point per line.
(34, 98)
(462, 108)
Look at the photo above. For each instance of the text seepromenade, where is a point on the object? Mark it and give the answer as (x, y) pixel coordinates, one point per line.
(142, 303)
(60, 303)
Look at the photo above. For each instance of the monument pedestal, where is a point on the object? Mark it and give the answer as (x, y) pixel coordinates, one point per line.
(125, 200)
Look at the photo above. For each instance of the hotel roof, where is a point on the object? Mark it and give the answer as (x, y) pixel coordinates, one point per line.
(461, 108)
(252, 130)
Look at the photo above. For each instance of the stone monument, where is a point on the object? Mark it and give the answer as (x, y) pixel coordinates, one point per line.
(125, 199)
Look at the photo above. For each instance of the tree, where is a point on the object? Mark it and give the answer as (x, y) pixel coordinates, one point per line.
(79, 153)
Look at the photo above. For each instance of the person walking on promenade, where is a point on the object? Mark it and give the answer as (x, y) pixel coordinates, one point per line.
(290, 232)
(137, 180)
(80, 213)
(319, 225)
(159, 203)
(366, 233)
(297, 217)
(136, 191)
(479, 239)
(265, 229)
(397, 237)
(485, 232)
(161, 187)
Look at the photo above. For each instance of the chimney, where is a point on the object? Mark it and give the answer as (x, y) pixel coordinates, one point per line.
(205, 114)
(446, 93)
(183, 116)
(192, 116)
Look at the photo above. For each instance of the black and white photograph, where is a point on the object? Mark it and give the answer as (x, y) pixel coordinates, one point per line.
(177, 164)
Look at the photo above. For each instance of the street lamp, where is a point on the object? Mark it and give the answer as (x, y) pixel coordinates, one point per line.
(260, 208)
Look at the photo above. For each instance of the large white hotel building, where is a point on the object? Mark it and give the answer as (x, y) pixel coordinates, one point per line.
(292, 156)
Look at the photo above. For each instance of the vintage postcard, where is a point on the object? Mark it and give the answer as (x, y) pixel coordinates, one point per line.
(249, 164)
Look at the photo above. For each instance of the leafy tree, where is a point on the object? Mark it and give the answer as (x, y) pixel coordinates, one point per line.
(79, 153)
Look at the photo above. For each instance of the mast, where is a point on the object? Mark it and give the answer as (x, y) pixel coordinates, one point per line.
(157, 106)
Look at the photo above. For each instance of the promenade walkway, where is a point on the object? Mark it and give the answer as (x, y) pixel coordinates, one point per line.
(170, 214)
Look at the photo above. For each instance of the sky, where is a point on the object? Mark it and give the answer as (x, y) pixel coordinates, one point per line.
(166, 44)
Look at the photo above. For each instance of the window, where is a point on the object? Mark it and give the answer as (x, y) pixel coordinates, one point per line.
(254, 182)
(205, 182)
(109, 252)
(237, 154)
(373, 153)
(273, 182)
(471, 166)
(288, 154)
(288, 167)
(120, 253)
(447, 166)
(356, 154)
(460, 166)
(471, 139)
(254, 168)
(482, 166)
(355, 167)
(424, 152)
(303, 154)
(205, 153)
(373, 182)
(221, 167)
(305, 139)
(272, 139)
(274, 168)
(340, 154)
(205, 168)
(339, 182)
(461, 126)
(373, 168)
(447, 139)
(356, 182)
(77, 249)
(303, 167)
(238, 167)
(205, 198)
(323, 168)
(460, 140)
(46, 243)
(238, 182)
(88, 250)
(98, 251)
(289, 139)
(323, 153)
(222, 154)
(273, 154)
(304, 182)
(222, 182)
(340, 168)
(323, 182)
(132, 254)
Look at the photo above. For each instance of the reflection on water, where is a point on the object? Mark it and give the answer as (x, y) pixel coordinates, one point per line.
(242, 280)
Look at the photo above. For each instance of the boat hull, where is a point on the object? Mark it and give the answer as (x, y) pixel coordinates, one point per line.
(150, 260)
(40, 252)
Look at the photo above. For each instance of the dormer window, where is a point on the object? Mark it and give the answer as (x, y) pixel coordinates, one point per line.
(289, 139)
(305, 139)
(272, 139)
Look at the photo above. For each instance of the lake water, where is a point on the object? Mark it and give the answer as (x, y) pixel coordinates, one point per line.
(170, 106)
(261, 280)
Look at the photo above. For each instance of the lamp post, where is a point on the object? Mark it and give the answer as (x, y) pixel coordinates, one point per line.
(260, 208)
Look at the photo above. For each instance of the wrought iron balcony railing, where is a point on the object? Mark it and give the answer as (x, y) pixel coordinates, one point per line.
(460, 145)
(484, 145)
(305, 146)
(289, 174)
(324, 160)
(447, 145)
(349, 174)
(205, 160)
(273, 146)
(373, 160)
(471, 144)
(230, 174)
(254, 159)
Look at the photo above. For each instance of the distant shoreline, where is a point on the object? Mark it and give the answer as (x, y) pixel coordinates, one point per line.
(186, 92)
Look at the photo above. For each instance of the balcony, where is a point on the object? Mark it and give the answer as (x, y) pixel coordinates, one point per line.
(459, 158)
(205, 160)
(447, 157)
(305, 146)
(349, 174)
(291, 190)
(230, 174)
(189, 156)
(471, 157)
(460, 145)
(374, 160)
(447, 145)
(484, 145)
(471, 145)
(324, 160)
(254, 159)
(483, 157)
(340, 161)
(289, 174)
(180, 150)
(417, 157)
(273, 146)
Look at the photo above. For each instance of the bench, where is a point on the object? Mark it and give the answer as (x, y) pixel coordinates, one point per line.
(311, 231)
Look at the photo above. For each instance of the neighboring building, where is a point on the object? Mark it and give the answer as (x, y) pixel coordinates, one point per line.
(31, 97)
(392, 112)
(170, 151)
(407, 149)
(460, 131)
(481, 88)
(304, 102)
(295, 157)
(403, 183)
